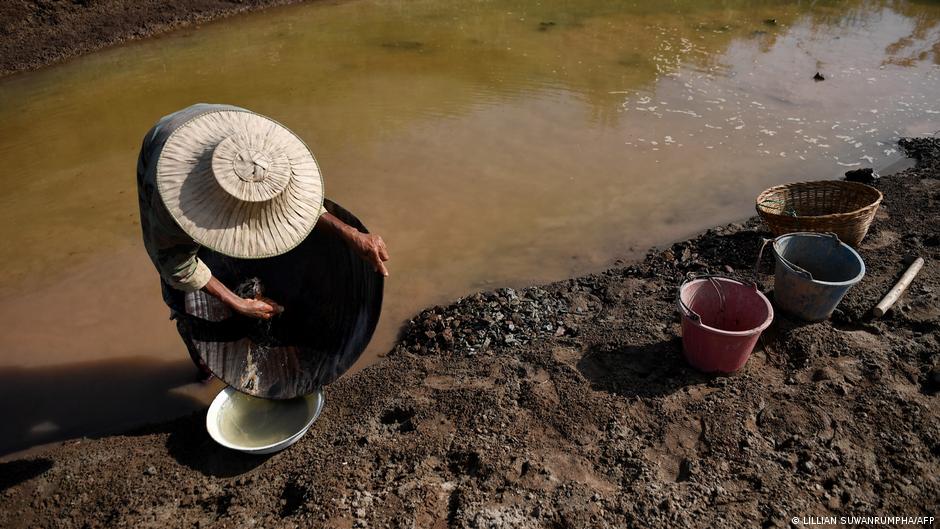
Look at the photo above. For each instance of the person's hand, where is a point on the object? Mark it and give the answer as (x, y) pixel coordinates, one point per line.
(262, 309)
(371, 248)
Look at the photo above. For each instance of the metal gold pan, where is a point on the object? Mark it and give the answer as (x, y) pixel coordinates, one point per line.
(332, 301)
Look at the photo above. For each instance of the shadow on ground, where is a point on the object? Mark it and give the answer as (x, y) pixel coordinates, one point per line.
(647, 370)
(47, 404)
(16, 472)
(189, 443)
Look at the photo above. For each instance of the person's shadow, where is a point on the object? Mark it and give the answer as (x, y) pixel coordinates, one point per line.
(15, 472)
(47, 404)
(130, 396)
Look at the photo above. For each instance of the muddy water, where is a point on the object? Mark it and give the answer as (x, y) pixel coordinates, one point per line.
(491, 143)
(251, 422)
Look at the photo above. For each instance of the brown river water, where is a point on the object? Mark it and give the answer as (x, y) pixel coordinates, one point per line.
(492, 143)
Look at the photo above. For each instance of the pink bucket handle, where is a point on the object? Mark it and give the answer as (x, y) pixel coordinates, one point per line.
(687, 310)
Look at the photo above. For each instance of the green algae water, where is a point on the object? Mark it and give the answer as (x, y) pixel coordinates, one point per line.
(250, 422)
(491, 143)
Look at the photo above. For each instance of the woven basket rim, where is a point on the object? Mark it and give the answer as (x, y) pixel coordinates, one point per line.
(833, 183)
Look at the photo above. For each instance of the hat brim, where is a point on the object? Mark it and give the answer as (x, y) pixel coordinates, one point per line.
(218, 220)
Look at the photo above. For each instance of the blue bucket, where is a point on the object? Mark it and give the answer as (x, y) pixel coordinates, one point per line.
(813, 273)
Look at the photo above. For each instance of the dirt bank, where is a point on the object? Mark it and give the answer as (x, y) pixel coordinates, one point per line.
(570, 405)
(34, 33)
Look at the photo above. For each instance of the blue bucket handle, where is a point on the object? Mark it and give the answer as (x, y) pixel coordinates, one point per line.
(760, 254)
(796, 269)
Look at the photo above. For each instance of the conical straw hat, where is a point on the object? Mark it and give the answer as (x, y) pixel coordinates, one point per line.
(240, 184)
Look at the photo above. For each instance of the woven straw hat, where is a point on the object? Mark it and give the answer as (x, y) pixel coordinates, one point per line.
(240, 184)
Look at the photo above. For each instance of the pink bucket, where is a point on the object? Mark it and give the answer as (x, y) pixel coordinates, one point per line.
(721, 322)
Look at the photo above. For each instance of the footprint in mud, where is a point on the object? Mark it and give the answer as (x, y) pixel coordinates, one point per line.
(217, 506)
(539, 383)
(399, 419)
(681, 446)
(567, 355)
(551, 468)
(294, 496)
(466, 464)
(781, 421)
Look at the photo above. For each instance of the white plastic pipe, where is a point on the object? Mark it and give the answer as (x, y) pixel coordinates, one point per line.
(892, 296)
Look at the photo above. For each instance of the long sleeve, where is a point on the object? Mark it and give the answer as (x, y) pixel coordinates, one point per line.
(172, 251)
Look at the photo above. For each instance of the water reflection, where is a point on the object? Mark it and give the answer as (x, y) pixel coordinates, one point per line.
(491, 143)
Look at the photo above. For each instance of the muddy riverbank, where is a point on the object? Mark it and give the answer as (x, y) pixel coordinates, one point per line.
(35, 33)
(569, 405)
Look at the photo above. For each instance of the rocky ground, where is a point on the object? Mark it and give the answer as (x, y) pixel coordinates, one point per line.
(34, 33)
(570, 405)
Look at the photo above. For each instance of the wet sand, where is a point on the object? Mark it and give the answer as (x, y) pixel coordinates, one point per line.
(587, 416)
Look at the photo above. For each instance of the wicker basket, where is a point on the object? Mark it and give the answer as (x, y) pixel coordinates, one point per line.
(844, 208)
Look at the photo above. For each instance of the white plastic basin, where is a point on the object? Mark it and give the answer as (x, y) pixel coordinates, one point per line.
(260, 426)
